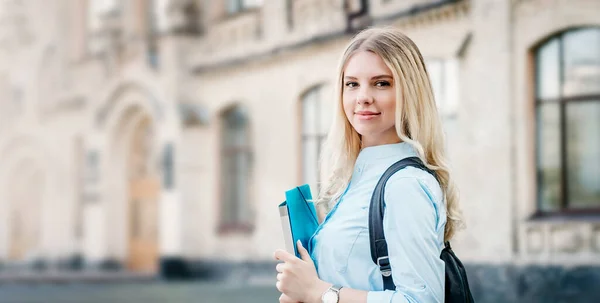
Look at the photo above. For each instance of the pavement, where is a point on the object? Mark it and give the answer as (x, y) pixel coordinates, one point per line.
(78, 276)
(138, 292)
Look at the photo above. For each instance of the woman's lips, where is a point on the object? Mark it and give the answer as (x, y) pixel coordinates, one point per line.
(365, 115)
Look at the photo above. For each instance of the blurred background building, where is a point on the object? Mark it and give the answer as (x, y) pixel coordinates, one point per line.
(159, 136)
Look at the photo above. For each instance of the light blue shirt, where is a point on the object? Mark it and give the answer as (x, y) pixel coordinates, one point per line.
(413, 223)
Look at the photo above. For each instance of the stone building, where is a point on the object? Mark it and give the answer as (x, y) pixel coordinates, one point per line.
(159, 136)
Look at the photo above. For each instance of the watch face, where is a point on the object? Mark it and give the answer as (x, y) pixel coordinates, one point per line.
(330, 297)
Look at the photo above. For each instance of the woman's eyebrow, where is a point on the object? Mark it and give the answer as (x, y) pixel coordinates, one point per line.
(381, 77)
(373, 78)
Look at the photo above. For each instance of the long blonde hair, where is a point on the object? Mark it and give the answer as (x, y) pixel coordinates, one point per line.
(417, 120)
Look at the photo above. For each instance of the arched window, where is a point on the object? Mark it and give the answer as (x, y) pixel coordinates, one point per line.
(235, 169)
(316, 119)
(567, 90)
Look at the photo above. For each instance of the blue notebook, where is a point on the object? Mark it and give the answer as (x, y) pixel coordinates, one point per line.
(298, 218)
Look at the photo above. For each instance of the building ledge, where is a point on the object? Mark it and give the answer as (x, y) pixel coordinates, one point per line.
(445, 9)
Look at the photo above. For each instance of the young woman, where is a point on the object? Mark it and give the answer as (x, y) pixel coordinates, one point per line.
(385, 111)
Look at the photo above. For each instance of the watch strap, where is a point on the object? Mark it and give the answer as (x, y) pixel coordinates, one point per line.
(336, 288)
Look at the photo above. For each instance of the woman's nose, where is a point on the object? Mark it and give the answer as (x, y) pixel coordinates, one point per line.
(364, 98)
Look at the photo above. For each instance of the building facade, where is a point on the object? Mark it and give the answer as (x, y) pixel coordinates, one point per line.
(159, 136)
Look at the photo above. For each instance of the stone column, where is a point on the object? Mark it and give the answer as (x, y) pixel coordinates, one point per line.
(487, 162)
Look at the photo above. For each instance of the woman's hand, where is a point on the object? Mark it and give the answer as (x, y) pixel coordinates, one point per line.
(285, 299)
(297, 279)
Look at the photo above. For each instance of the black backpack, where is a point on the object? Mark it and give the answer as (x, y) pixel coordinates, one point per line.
(457, 286)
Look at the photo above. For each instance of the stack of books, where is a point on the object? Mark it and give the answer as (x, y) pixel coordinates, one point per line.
(298, 218)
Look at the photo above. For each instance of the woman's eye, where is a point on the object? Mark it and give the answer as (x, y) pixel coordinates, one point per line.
(351, 84)
(382, 83)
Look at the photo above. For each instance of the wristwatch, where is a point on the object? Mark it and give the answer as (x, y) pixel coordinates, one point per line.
(332, 295)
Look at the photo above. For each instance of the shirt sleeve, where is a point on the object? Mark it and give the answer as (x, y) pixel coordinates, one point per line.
(412, 230)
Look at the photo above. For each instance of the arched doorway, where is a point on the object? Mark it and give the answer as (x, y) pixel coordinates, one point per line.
(25, 192)
(129, 132)
(142, 199)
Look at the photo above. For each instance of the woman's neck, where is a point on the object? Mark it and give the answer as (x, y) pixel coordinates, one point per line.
(365, 142)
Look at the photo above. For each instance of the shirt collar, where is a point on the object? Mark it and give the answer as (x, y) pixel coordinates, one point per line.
(397, 151)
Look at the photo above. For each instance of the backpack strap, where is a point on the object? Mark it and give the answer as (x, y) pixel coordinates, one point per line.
(379, 250)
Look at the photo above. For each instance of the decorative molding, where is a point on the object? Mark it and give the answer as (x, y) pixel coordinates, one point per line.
(243, 28)
(426, 17)
(565, 242)
(269, 54)
(122, 90)
(566, 239)
(315, 15)
(417, 16)
(595, 245)
(65, 103)
(535, 240)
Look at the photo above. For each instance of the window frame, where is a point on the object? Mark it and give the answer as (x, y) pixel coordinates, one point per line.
(317, 135)
(234, 223)
(563, 102)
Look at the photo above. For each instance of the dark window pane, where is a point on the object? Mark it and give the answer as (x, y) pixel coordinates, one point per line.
(168, 166)
(583, 156)
(234, 6)
(548, 72)
(326, 109)
(227, 195)
(314, 123)
(582, 62)
(236, 117)
(309, 113)
(235, 127)
(235, 191)
(241, 187)
(310, 158)
(435, 69)
(235, 166)
(549, 167)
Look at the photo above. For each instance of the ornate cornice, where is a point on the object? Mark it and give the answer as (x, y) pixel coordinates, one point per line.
(444, 13)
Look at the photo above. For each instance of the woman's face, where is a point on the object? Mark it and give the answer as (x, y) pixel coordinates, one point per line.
(369, 99)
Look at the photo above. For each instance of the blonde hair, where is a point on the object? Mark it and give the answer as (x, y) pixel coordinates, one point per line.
(417, 120)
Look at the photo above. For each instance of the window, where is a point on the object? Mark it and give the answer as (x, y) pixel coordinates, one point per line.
(151, 27)
(102, 18)
(79, 152)
(168, 166)
(235, 169)
(236, 6)
(444, 76)
(316, 117)
(567, 90)
(99, 9)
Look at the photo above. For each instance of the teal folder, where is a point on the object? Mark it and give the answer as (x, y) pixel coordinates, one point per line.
(298, 218)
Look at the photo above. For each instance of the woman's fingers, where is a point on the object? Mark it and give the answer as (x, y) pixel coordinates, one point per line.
(285, 256)
(280, 267)
(303, 252)
(285, 299)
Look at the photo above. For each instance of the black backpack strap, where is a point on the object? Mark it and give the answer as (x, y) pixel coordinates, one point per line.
(379, 250)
